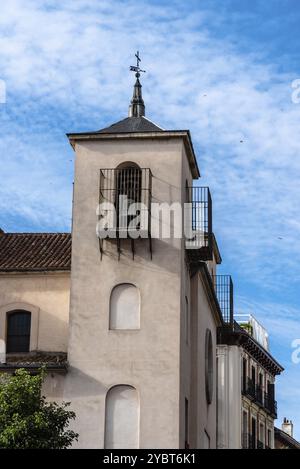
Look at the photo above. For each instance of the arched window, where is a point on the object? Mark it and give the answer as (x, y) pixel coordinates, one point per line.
(128, 185)
(209, 366)
(122, 418)
(18, 331)
(124, 311)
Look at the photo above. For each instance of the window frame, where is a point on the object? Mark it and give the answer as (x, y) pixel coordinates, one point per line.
(14, 339)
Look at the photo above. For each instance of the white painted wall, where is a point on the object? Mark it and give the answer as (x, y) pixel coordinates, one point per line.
(148, 358)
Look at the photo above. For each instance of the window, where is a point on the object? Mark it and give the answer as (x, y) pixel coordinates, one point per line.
(269, 439)
(245, 438)
(18, 331)
(209, 368)
(186, 424)
(244, 375)
(186, 321)
(124, 307)
(122, 418)
(128, 185)
(261, 434)
(253, 375)
(252, 444)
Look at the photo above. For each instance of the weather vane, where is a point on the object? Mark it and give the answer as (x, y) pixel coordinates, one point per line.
(136, 68)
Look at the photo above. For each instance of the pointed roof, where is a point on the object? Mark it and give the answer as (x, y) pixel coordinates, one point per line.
(137, 106)
(136, 125)
(132, 124)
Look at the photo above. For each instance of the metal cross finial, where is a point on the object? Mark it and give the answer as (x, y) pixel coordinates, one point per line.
(136, 68)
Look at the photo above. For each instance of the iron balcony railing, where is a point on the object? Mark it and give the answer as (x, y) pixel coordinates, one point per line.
(119, 189)
(270, 404)
(198, 223)
(250, 390)
(224, 291)
(259, 395)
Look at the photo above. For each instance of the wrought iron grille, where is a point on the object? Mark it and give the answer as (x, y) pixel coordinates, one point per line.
(270, 404)
(119, 189)
(224, 291)
(125, 205)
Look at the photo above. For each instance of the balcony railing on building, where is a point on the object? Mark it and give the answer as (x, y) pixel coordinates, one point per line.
(270, 405)
(120, 188)
(262, 399)
(259, 395)
(249, 389)
(198, 224)
(224, 291)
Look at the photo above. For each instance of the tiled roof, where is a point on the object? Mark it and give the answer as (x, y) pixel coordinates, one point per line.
(132, 124)
(35, 360)
(35, 252)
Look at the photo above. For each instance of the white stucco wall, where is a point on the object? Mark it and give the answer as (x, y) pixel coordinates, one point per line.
(203, 415)
(149, 358)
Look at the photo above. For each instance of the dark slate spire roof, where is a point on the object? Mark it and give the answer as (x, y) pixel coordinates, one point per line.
(137, 106)
(35, 252)
(132, 124)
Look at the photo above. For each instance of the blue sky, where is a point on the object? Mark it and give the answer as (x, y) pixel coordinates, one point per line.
(224, 70)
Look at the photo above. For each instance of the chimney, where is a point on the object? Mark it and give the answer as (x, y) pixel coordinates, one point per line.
(288, 427)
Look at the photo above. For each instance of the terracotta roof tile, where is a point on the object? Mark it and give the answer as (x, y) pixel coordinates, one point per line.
(35, 252)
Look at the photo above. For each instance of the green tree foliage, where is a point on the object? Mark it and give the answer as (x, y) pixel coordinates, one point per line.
(27, 420)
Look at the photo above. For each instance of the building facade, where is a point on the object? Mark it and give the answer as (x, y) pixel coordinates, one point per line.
(129, 327)
(246, 387)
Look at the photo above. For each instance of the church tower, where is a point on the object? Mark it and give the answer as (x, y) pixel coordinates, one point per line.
(142, 319)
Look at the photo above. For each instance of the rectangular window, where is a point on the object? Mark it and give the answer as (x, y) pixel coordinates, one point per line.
(253, 375)
(18, 331)
(186, 321)
(269, 438)
(244, 375)
(245, 434)
(186, 424)
(253, 434)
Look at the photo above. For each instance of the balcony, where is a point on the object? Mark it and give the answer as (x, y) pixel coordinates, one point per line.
(118, 190)
(270, 405)
(259, 395)
(264, 400)
(198, 224)
(249, 390)
(224, 291)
